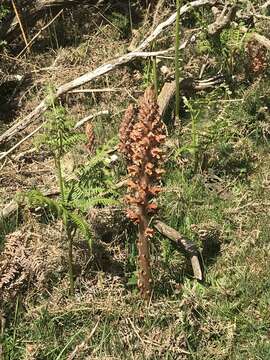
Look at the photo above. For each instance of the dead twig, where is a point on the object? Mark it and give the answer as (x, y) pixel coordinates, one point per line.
(222, 21)
(20, 22)
(81, 91)
(187, 85)
(184, 245)
(266, 4)
(161, 27)
(20, 142)
(9, 210)
(261, 39)
(13, 207)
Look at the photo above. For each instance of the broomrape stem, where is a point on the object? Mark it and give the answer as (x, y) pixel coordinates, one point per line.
(177, 62)
(145, 276)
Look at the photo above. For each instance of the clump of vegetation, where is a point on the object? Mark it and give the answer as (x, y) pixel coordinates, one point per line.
(59, 138)
(77, 195)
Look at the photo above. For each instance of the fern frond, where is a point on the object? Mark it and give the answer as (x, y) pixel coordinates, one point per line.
(36, 198)
(72, 139)
(80, 191)
(81, 224)
(84, 204)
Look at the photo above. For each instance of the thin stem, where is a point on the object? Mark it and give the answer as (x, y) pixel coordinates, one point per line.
(145, 277)
(194, 140)
(65, 215)
(15, 323)
(194, 135)
(177, 62)
(155, 74)
(20, 23)
(148, 72)
(54, 31)
(130, 17)
(59, 167)
(70, 262)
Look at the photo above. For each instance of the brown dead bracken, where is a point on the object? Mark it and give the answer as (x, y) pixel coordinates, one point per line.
(141, 138)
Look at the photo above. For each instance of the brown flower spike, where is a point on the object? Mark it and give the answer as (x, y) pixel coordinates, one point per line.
(125, 130)
(89, 132)
(141, 139)
(257, 57)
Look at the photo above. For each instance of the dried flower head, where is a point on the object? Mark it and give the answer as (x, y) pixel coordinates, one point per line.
(90, 135)
(257, 57)
(125, 130)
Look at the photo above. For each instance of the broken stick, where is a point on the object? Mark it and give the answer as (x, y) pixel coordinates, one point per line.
(184, 245)
(222, 21)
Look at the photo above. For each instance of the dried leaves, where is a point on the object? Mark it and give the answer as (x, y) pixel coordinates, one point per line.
(28, 261)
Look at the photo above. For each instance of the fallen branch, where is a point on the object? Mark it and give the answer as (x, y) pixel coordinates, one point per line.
(14, 206)
(165, 98)
(264, 41)
(106, 219)
(184, 245)
(187, 86)
(82, 80)
(222, 21)
(266, 5)
(187, 247)
(9, 210)
(160, 28)
(261, 39)
(103, 69)
(5, 154)
(81, 91)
